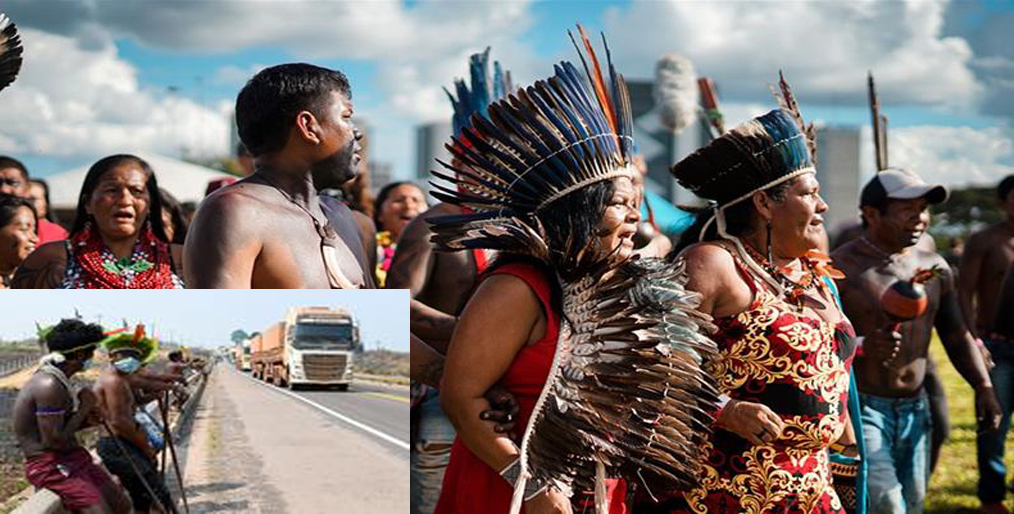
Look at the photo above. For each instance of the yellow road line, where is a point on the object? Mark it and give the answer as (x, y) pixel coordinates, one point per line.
(388, 396)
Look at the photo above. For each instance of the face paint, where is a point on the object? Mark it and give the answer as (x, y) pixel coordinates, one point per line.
(127, 365)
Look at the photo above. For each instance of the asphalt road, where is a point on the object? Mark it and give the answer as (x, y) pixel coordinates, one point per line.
(377, 410)
(258, 448)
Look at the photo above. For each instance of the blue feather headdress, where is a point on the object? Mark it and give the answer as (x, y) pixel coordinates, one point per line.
(476, 100)
(532, 148)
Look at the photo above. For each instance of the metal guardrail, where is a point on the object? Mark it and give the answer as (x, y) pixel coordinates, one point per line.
(11, 366)
(44, 501)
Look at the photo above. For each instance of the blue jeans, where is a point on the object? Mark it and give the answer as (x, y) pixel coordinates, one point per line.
(897, 436)
(990, 444)
(430, 454)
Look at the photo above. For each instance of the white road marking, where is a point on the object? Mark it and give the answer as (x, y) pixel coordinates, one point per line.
(362, 426)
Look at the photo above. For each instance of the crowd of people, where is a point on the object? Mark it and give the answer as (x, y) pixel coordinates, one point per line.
(51, 410)
(829, 400)
(744, 365)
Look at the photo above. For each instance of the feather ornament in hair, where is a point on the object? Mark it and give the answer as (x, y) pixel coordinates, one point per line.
(787, 102)
(10, 51)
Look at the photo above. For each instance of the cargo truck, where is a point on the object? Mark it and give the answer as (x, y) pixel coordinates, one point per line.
(311, 346)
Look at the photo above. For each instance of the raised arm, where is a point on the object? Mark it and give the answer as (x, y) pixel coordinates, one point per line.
(495, 325)
(222, 243)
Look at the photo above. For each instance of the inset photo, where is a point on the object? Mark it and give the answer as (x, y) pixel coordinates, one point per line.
(273, 401)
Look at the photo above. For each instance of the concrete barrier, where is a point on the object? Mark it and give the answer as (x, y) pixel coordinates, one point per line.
(44, 501)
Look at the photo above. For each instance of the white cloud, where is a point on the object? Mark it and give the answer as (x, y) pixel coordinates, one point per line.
(956, 156)
(825, 48)
(70, 101)
(232, 75)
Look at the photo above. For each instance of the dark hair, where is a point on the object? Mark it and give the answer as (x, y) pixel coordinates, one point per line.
(10, 162)
(737, 218)
(179, 222)
(269, 102)
(91, 181)
(241, 150)
(1002, 190)
(570, 226)
(175, 356)
(73, 333)
(385, 191)
(50, 215)
(9, 205)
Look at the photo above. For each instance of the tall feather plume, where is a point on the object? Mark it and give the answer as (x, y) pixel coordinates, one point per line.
(535, 146)
(10, 51)
(675, 92)
(787, 101)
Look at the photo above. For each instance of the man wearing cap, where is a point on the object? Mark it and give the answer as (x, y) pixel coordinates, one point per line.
(988, 255)
(49, 411)
(891, 365)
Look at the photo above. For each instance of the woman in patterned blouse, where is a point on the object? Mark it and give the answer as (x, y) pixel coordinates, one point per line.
(785, 346)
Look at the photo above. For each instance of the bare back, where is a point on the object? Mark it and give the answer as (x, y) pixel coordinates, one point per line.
(39, 401)
(249, 235)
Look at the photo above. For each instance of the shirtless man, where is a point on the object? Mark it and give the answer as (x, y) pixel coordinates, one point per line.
(47, 416)
(987, 256)
(268, 230)
(891, 370)
(126, 451)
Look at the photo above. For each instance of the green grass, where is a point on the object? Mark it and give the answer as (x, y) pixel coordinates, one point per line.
(952, 488)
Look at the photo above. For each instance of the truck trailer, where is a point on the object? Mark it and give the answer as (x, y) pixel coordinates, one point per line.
(311, 346)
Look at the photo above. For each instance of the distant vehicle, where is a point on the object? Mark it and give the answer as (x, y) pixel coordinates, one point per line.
(311, 346)
(241, 355)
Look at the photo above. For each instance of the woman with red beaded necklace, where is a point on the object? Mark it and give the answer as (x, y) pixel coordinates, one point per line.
(115, 243)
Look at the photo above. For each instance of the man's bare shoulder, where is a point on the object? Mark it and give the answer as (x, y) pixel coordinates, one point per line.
(847, 257)
(418, 230)
(44, 268)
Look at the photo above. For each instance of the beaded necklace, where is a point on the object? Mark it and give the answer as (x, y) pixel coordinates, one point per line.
(147, 267)
(814, 264)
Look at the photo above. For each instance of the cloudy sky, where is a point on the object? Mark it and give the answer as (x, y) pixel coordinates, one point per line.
(103, 76)
(207, 317)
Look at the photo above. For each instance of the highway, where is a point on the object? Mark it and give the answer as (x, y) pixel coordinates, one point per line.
(258, 448)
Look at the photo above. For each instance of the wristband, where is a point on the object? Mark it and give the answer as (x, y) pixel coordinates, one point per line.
(533, 486)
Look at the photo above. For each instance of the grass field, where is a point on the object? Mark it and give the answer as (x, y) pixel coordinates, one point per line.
(952, 488)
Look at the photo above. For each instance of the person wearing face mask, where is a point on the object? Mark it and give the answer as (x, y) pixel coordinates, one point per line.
(48, 412)
(17, 235)
(396, 205)
(128, 450)
(891, 369)
(118, 240)
(269, 229)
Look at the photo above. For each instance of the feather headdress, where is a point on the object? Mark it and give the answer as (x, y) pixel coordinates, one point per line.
(534, 147)
(476, 99)
(756, 155)
(119, 339)
(10, 51)
(627, 393)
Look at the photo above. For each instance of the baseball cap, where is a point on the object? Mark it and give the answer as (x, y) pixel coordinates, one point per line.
(899, 184)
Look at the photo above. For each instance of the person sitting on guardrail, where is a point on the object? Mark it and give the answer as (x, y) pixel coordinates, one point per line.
(48, 412)
(130, 450)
